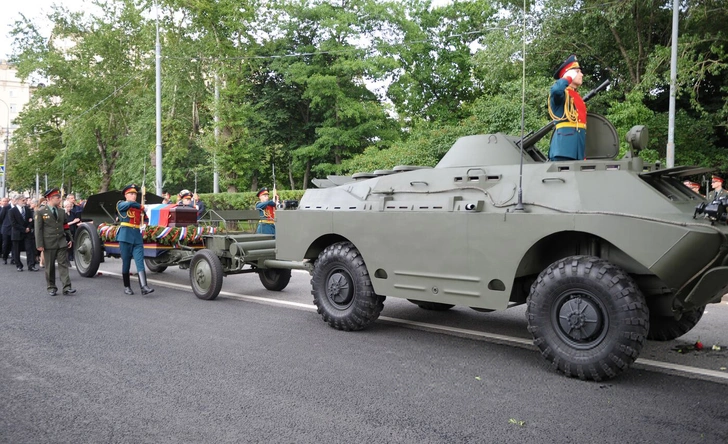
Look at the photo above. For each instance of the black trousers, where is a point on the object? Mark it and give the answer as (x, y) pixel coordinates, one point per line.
(29, 243)
(7, 246)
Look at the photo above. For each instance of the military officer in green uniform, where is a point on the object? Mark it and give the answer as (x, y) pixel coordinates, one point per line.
(717, 185)
(131, 215)
(53, 239)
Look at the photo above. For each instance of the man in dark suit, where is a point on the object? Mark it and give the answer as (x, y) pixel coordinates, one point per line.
(3, 210)
(5, 229)
(53, 238)
(21, 222)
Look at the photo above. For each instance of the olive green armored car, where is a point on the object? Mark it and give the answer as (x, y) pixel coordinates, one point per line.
(605, 252)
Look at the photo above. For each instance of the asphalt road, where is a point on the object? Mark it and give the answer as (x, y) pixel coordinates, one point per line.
(257, 366)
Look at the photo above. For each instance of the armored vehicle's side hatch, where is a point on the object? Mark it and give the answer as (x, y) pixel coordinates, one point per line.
(669, 182)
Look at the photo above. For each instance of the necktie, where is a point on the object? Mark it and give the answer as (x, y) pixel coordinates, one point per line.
(22, 212)
(55, 213)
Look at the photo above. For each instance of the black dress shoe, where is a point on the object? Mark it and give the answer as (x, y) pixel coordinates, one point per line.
(69, 291)
(20, 269)
(52, 292)
(33, 268)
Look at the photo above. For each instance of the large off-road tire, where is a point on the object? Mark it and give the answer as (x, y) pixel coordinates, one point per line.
(342, 290)
(667, 328)
(155, 264)
(87, 251)
(274, 279)
(434, 306)
(588, 317)
(206, 274)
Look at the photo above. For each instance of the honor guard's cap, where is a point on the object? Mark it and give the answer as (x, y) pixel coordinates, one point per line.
(130, 188)
(689, 183)
(263, 190)
(717, 179)
(185, 194)
(568, 64)
(52, 192)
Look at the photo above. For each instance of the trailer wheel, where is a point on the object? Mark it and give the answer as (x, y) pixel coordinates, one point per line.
(434, 306)
(87, 252)
(667, 328)
(206, 275)
(588, 317)
(274, 279)
(342, 290)
(154, 264)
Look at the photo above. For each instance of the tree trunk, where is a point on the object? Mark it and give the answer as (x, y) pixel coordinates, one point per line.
(290, 175)
(106, 167)
(306, 174)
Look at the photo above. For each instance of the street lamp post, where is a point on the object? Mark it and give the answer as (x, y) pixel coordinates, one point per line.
(5, 153)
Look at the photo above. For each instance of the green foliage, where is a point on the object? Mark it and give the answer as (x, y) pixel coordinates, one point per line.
(316, 87)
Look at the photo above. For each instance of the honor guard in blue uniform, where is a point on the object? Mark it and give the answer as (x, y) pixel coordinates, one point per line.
(568, 110)
(267, 210)
(131, 215)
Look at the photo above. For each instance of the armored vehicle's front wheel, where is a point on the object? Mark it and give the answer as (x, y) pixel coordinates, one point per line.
(588, 317)
(434, 306)
(87, 252)
(206, 275)
(342, 290)
(275, 279)
(667, 328)
(155, 264)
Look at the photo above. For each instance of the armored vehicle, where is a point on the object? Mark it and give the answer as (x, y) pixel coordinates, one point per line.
(605, 253)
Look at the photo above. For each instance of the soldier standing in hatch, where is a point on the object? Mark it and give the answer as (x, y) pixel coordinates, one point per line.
(53, 239)
(131, 215)
(267, 210)
(568, 110)
(717, 185)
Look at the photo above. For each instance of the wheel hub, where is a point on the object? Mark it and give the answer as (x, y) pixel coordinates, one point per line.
(581, 320)
(338, 288)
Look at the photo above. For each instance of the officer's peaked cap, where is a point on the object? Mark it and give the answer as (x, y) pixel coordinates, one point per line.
(52, 192)
(569, 63)
(129, 188)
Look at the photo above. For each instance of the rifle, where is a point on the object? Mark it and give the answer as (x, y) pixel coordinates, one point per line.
(534, 137)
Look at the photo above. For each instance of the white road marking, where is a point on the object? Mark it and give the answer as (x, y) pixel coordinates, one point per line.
(640, 363)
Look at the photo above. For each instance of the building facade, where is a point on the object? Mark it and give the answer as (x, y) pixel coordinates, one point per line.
(14, 95)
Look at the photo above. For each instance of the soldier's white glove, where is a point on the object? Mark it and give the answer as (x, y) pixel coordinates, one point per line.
(572, 73)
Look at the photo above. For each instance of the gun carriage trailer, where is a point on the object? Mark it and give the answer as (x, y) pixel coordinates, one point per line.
(208, 255)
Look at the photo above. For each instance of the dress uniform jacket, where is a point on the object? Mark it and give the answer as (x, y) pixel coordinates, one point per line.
(569, 111)
(53, 234)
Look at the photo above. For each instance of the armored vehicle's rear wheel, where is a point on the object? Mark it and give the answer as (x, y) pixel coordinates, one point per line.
(588, 317)
(206, 275)
(275, 279)
(434, 306)
(154, 264)
(87, 252)
(342, 289)
(667, 328)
